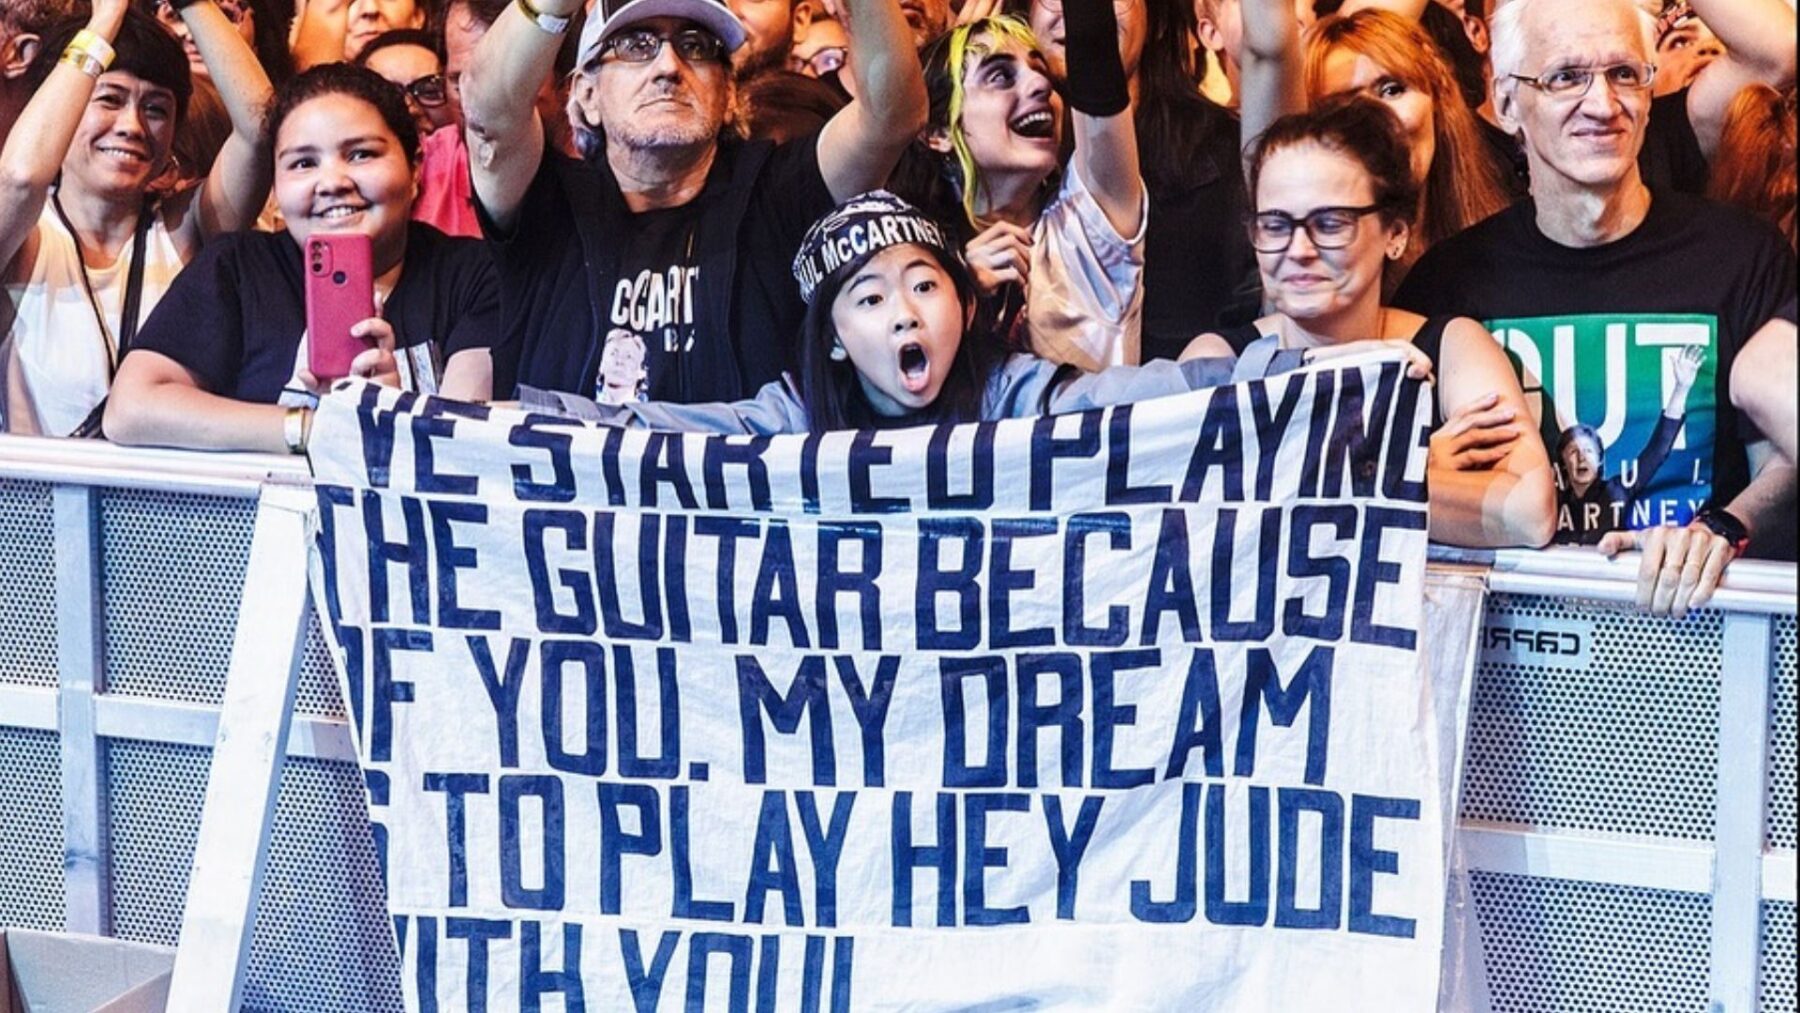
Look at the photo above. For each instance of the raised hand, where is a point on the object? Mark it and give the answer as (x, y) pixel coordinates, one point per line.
(1001, 254)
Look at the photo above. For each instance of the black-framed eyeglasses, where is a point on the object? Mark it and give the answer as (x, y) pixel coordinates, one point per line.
(641, 45)
(170, 17)
(429, 91)
(1574, 82)
(1331, 228)
(824, 61)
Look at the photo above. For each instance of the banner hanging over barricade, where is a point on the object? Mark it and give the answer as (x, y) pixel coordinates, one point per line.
(1121, 709)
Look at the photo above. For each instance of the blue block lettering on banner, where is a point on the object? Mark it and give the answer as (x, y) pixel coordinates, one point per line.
(1130, 682)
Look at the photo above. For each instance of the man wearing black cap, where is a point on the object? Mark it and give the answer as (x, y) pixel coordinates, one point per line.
(670, 228)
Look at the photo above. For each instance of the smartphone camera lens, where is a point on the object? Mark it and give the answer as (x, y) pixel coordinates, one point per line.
(338, 278)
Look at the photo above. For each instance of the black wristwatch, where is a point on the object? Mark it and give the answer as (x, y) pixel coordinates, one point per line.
(1725, 524)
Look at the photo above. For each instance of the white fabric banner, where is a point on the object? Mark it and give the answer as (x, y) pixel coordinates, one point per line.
(1115, 710)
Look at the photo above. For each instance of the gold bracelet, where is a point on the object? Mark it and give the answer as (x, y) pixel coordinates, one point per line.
(295, 429)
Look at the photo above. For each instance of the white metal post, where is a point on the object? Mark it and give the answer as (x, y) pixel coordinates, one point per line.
(1738, 820)
(87, 905)
(247, 758)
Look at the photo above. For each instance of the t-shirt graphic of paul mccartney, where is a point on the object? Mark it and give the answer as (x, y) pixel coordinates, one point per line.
(649, 331)
(1589, 504)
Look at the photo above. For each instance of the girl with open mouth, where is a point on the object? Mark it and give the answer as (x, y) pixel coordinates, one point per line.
(896, 335)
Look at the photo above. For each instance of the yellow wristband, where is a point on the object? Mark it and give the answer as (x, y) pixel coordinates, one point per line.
(83, 61)
(89, 53)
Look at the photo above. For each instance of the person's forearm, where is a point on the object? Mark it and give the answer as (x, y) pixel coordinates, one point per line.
(1492, 509)
(500, 87)
(239, 182)
(172, 414)
(39, 140)
(318, 33)
(1768, 501)
(1106, 146)
(1269, 82)
(1758, 34)
(1762, 386)
(889, 82)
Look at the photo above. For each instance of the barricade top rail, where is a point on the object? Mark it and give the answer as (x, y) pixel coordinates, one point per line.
(98, 463)
(1749, 585)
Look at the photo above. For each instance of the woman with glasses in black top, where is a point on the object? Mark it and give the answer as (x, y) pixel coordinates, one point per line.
(1335, 197)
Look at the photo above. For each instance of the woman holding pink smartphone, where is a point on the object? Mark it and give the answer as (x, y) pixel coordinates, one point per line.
(236, 354)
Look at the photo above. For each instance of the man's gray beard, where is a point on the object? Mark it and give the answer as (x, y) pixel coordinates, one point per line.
(691, 131)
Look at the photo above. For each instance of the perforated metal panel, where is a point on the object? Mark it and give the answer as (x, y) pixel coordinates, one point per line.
(1781, 741)
(173, 568)
(31, 837)
(322, 942)
(1623, 740)
(317, 690)
(1776, 974)
(1556, 946)
(28, 590)
(154, 795)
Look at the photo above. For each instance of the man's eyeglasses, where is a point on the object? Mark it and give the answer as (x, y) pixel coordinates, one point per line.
(1330, 228)
(171, 18)
(824, 61)
(429, 91)
(1574, 82)
(641, 45)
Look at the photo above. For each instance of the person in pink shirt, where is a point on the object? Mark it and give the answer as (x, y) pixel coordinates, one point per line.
(413, 61)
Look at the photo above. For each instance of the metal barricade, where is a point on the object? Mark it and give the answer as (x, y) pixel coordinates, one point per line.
(1627, 819)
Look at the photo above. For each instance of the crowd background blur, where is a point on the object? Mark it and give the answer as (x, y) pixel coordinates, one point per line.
(601, 189)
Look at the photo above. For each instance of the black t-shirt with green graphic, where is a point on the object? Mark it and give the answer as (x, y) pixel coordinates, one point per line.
(1595, 334)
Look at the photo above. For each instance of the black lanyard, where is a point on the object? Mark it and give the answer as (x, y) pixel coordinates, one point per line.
(134, 286)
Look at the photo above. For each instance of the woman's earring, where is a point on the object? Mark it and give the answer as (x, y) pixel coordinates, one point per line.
(1396, 252)
(838, 354)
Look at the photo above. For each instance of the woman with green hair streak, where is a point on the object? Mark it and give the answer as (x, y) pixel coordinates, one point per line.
(1061, 256)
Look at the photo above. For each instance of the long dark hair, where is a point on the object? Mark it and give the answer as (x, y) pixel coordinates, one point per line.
(834, 396)
(1172, 116)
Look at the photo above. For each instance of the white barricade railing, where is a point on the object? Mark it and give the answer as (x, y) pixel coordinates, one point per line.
(1627, 828)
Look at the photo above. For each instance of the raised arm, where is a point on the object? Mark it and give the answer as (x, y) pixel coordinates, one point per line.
(1762, 384)
(1269, 81)
(318, 32)
(499, 99)
(1758, 36)
(1511, 501)
(861, 143)
(40, 137)
(234, 191)
(1106, 148)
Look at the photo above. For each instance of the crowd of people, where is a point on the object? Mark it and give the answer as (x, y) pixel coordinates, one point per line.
(763, 216)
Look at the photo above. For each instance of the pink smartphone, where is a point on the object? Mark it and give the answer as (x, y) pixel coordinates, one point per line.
(340, 293)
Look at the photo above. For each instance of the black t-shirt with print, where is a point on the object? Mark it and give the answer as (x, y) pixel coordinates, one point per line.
(731, 250)
(235, 314)
(1595, 332)
(652, 304)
